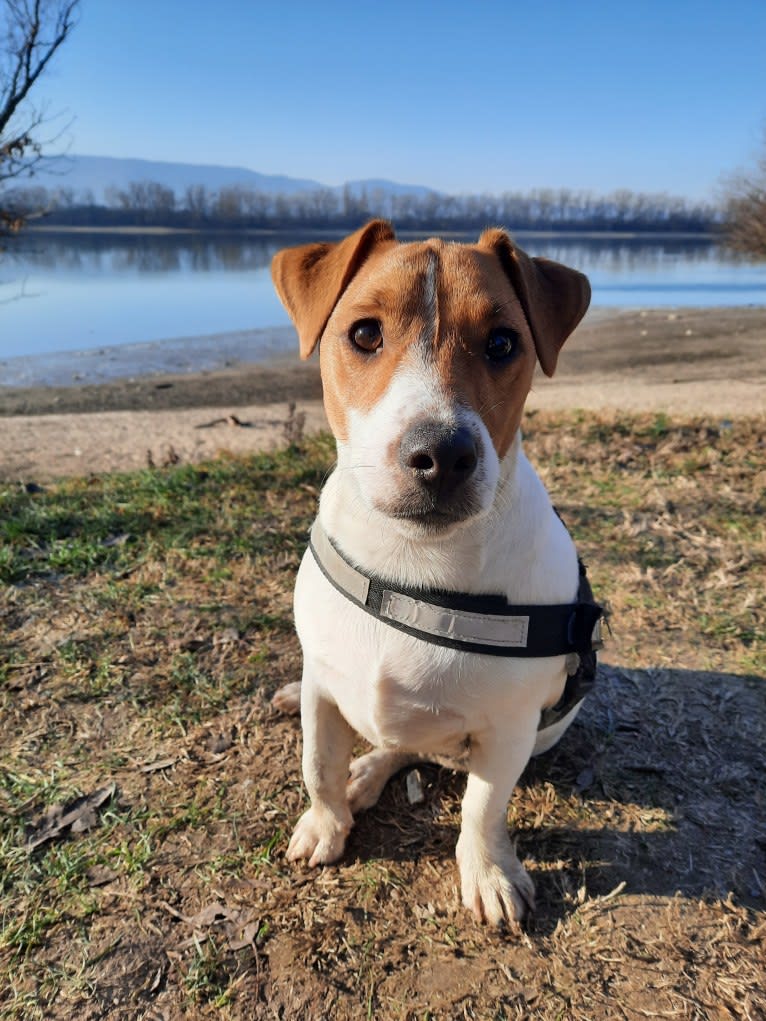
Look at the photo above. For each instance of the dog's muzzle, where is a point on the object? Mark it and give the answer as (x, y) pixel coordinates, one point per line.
(438, 474)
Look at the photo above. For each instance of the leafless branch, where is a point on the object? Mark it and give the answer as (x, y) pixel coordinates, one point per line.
(745, 205)
(34, 31)
(20, 294)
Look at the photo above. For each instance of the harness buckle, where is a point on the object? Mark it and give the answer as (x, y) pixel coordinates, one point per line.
(577, 633)
(597, 636)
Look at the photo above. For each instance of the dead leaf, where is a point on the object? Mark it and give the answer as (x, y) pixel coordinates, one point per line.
(247, 937)
(239, 925)
(230, 419)
(219, 743)
(212, 913)
(85, 821)
(100, 875)
(76, 816)
(117, 540)
(154, 767)
(585, 779)
(229, 636)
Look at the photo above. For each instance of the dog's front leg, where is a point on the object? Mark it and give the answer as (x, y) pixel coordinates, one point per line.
(321, 832)
(495, 886)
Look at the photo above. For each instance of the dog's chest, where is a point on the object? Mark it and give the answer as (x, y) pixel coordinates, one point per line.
(398, 691)
(425, 710)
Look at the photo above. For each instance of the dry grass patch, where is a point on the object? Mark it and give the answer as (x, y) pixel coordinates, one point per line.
(145, 622)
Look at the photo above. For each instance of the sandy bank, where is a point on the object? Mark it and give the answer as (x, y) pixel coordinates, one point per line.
(707, 362)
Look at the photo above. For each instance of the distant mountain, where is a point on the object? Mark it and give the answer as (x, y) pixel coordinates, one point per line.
(99, 173)
(374, 184)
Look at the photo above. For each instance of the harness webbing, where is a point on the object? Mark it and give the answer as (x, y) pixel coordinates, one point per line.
(485, 624)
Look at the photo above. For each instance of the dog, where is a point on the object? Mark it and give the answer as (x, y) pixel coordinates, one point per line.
(436, 556)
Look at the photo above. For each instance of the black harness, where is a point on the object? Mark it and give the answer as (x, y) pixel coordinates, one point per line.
(485, 624)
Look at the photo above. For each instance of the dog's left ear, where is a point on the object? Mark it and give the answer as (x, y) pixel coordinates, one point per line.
(554, 297)
(311, 278)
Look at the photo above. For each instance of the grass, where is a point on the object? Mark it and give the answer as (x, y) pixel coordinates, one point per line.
(146, 620)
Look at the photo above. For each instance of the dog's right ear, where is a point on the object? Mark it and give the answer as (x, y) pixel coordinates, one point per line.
(311, 278)
(554, 297)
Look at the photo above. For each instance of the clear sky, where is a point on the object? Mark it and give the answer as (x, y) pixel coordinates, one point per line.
(661, 95)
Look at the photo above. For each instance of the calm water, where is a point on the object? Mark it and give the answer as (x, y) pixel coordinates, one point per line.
(80, 292)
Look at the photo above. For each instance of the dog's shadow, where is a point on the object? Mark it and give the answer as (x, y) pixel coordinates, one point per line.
(658, 785)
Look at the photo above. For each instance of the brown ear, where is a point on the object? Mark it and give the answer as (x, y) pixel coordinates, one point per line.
(554, 297)
(311, 278)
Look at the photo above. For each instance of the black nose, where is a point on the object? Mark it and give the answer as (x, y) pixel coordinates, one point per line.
(439, 457)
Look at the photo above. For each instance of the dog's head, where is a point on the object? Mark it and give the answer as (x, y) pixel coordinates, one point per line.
(427, 354)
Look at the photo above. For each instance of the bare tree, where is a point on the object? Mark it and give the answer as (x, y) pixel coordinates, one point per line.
(745, 208)
(31, 31)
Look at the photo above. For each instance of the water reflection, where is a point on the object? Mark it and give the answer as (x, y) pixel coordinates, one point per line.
(156, 253)
(622, 256)
(189, 253)
(78, 291)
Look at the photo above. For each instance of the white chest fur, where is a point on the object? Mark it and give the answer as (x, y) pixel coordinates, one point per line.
(401, 692)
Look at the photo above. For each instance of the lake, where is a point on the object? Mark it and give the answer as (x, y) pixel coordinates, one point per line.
(77, 292)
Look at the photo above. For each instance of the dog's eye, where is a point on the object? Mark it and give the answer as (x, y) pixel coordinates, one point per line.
(366, 335)
(502, 344)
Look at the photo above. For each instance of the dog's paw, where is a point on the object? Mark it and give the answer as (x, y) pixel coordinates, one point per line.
(319, 836)
(367, 776)
(288, 699)
(496, 889)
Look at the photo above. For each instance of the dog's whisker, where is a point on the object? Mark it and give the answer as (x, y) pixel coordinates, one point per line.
(329, 472)
(485, 408)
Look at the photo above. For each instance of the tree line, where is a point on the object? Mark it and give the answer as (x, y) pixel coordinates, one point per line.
(151, 204)
(34, 30)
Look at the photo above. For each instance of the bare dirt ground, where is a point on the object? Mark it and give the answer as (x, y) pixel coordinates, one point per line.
(146, 621)
(708, 362)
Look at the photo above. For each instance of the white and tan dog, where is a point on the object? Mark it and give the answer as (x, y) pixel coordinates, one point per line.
(427, 354)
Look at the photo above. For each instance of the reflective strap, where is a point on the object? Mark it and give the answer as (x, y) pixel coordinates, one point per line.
(484, 624)
(460, 625)
(347, 577)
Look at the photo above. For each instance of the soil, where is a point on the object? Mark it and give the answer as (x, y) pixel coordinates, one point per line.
(150, 667)
(693, 361)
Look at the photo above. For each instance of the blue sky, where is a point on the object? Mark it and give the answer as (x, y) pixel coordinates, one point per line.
(461, 96)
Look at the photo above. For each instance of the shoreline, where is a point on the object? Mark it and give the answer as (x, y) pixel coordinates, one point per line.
(120, 363)
(700, 363)
(647, 347)
(324, 232)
